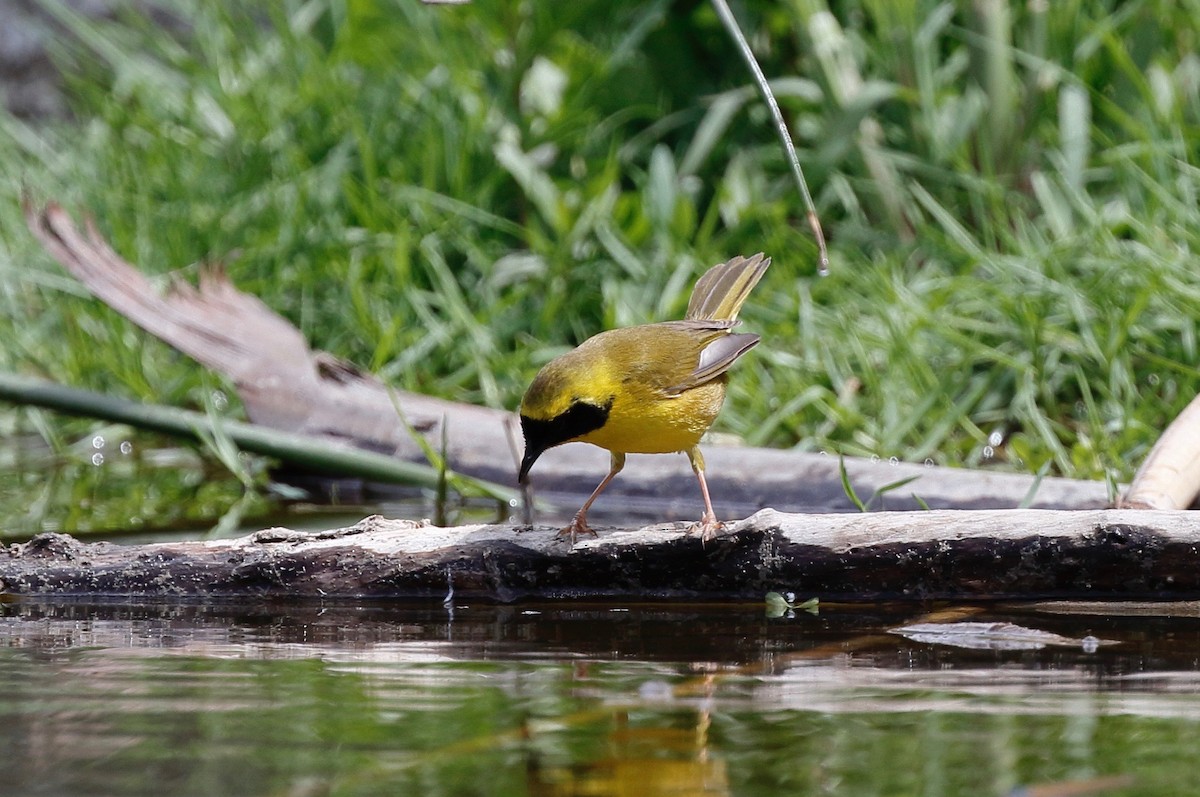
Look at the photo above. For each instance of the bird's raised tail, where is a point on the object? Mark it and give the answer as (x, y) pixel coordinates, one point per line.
(719, 294)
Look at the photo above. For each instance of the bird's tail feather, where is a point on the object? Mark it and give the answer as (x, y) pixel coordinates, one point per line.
(720, 292)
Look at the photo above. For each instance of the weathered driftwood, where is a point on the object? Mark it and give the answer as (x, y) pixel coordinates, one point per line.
(1027, 554)
(1169, 477)
(285, 385)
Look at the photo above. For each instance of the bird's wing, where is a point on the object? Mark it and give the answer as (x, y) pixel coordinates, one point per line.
(716, 356)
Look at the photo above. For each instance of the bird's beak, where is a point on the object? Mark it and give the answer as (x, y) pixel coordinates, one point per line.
(531, 455)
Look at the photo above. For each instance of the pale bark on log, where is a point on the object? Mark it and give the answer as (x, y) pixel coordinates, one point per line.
(960, 555)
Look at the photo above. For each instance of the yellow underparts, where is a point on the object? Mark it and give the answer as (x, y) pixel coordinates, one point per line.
(641, 423)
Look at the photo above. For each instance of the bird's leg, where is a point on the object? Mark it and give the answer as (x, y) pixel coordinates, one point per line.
(578, 523)
(708, 526)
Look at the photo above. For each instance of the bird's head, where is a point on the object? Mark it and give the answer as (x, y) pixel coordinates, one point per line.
(566, 401)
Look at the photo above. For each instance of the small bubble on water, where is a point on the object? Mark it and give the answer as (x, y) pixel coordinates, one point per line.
(823, 453)
(97, 459)
(929, 463)
(874, 458)
(893, 461)
(98, 442)
(1090, 644)
(995, 438)
(126, 447)
(988, 452)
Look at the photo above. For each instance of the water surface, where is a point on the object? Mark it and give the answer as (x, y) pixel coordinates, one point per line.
(302, 700)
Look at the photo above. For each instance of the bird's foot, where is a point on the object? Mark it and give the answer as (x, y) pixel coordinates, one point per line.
(708, 526)
(577, 526)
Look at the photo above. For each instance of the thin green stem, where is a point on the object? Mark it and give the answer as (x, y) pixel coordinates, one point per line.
(785, 136)
(299, 450)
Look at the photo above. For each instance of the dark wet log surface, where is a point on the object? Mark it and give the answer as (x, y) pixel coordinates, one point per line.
(1025, 554)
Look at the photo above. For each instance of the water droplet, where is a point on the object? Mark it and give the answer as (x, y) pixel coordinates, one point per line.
(929, 463)
(1154, 379)
(98, 442)
(988, 452)
(995, 438)
(893, 461)
(790, 597)
(874, 458)
(656, 690)
(1089, 644)
(126, 447)
(97, 459)
(220, 400)
(823, 453)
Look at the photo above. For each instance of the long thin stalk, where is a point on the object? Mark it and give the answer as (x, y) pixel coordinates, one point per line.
(299, 450)
(785, 136)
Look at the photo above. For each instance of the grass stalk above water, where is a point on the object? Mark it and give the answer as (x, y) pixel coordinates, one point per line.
(301, 451)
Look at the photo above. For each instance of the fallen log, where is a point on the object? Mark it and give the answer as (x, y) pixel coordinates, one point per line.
(285, 385)
(959, 555)
(1084, 555)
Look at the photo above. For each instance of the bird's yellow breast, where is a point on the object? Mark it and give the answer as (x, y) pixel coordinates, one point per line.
(648, 422)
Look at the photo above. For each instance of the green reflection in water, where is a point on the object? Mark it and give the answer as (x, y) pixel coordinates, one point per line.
(190, 701)
(116, 489)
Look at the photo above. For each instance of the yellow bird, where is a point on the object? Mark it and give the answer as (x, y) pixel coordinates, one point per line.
(649, 389)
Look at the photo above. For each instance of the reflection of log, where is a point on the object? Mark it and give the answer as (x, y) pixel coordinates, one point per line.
(802, 661)
(285, 385)
(886, 555)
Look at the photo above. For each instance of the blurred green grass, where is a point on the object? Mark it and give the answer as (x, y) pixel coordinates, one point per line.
(451, 195)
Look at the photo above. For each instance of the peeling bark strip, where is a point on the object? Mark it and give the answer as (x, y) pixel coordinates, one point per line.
(960, 555)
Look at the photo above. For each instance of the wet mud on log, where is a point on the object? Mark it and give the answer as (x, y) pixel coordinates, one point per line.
(1011, 554)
